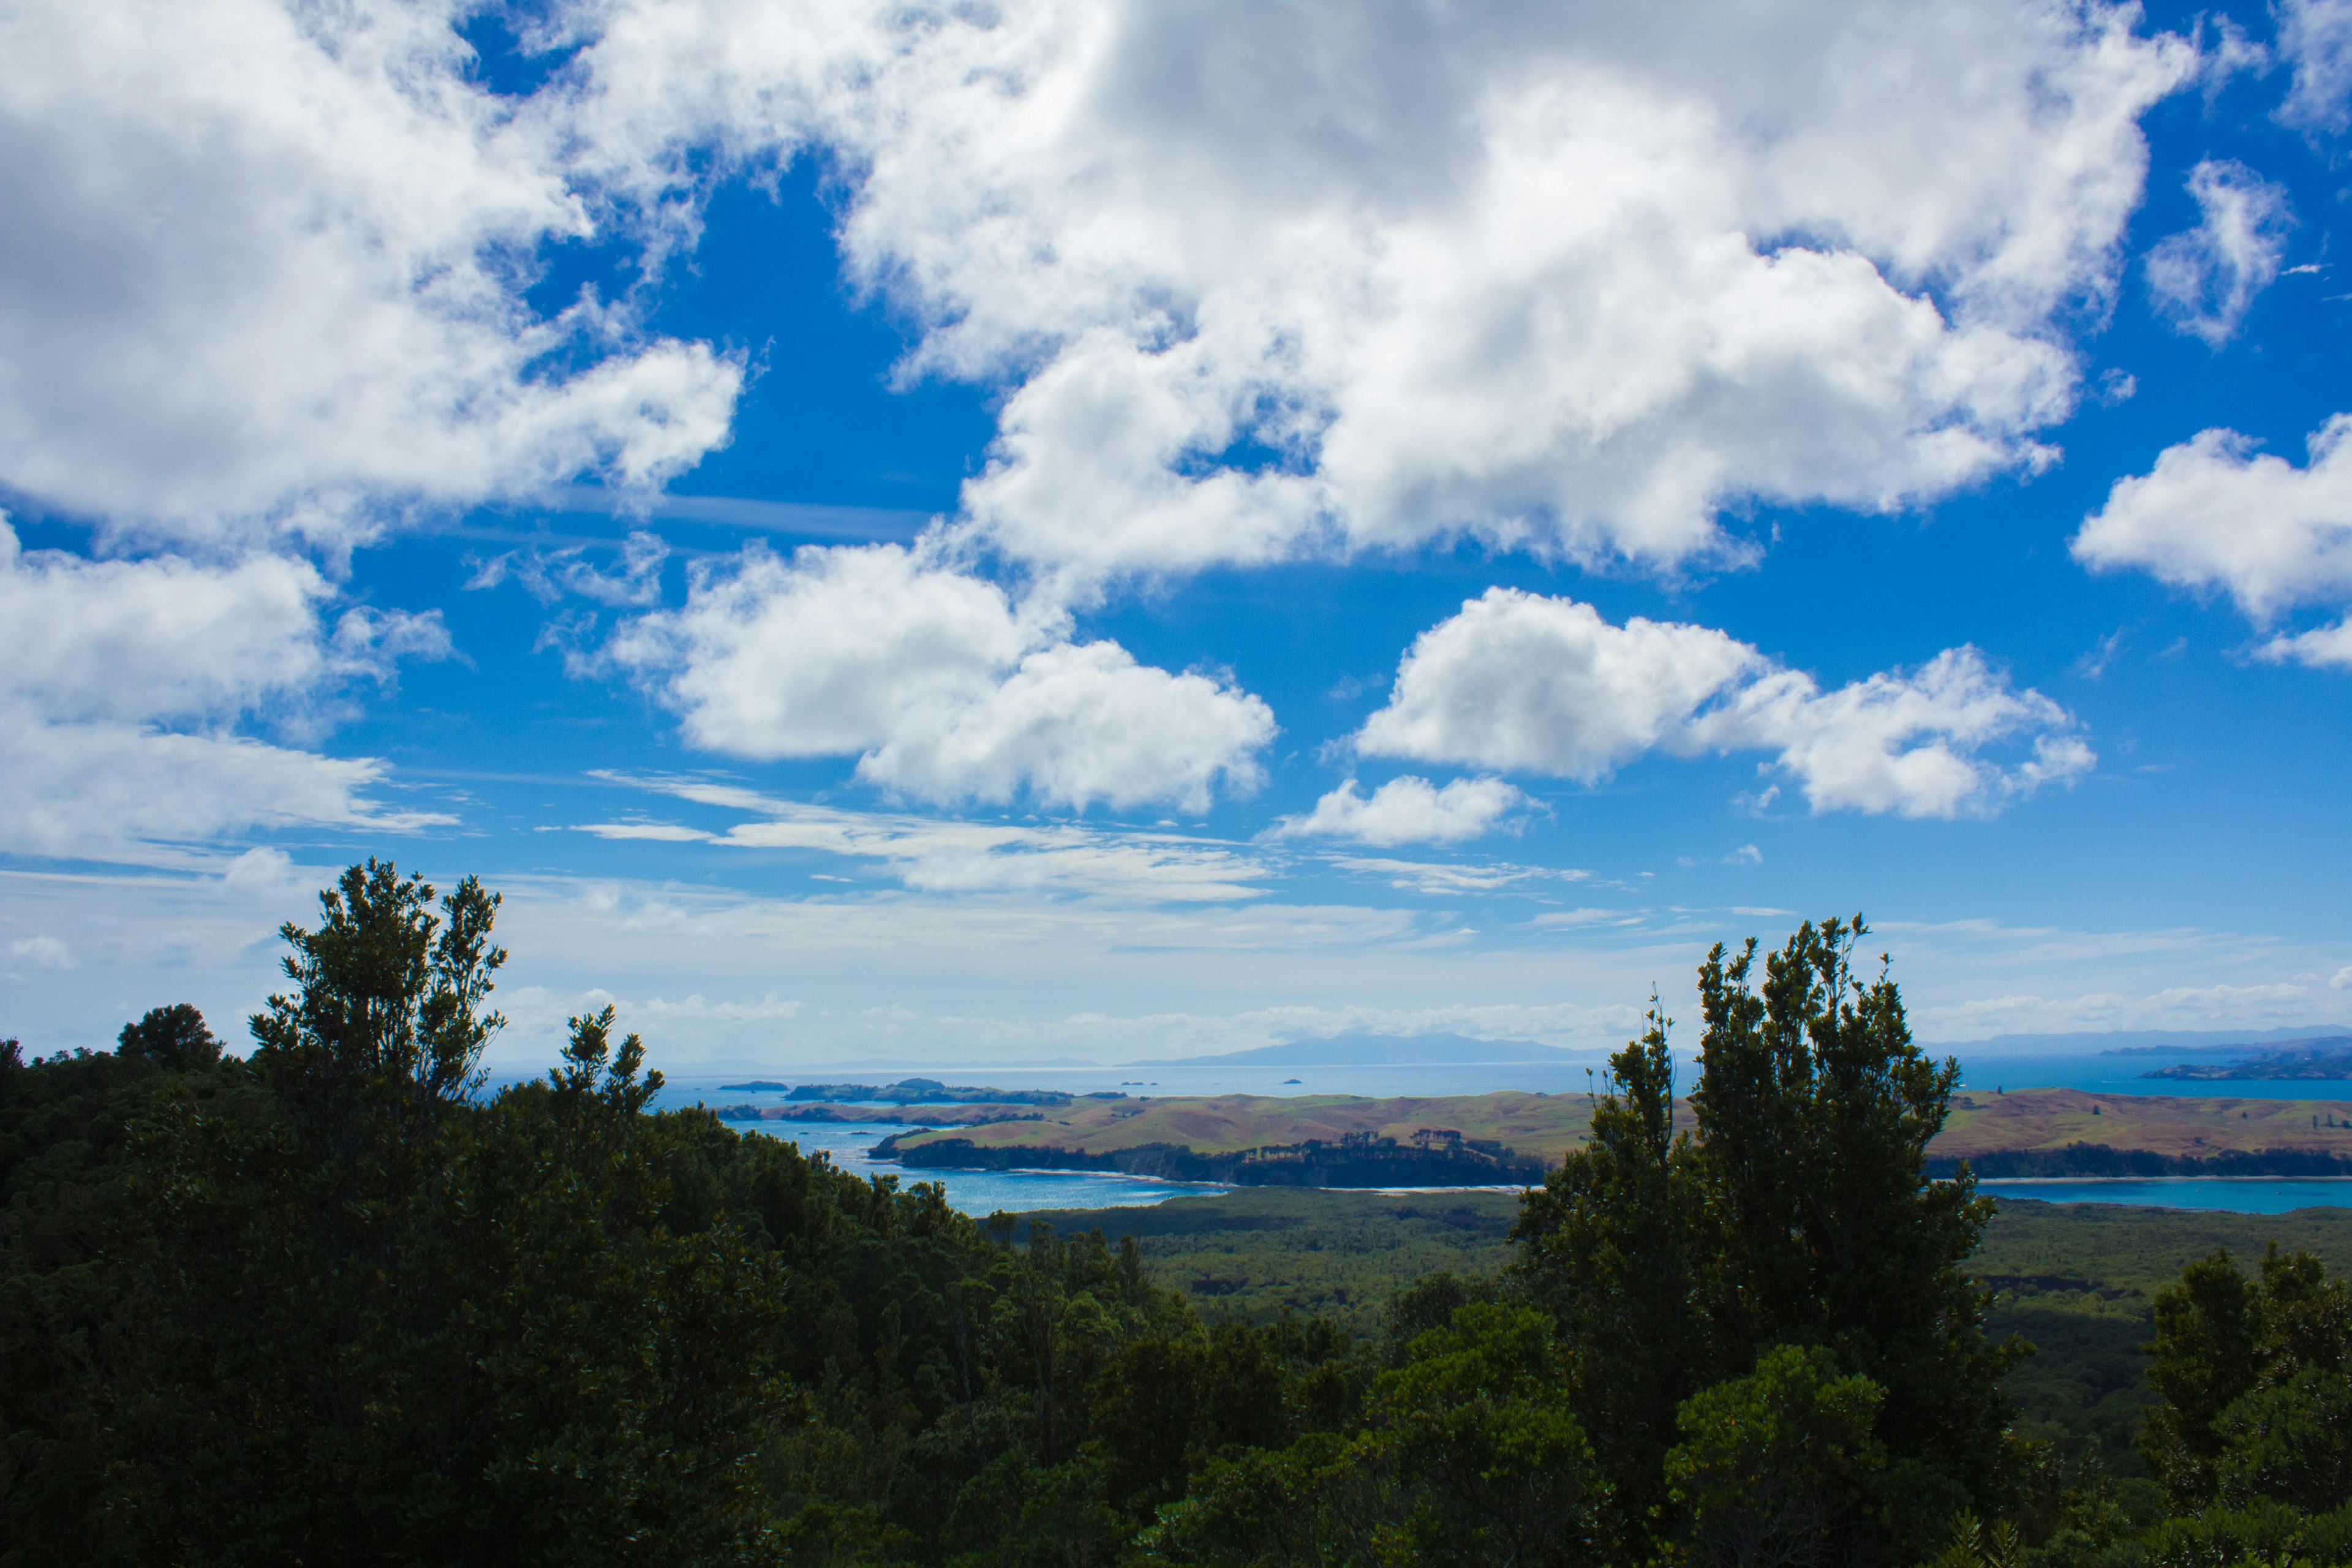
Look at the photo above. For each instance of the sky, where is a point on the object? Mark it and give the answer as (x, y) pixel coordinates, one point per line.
(1088, 532)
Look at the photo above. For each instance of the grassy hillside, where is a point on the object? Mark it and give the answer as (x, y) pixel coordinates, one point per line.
(2179, 1125)
(2077, 1280)
(1548, 1126)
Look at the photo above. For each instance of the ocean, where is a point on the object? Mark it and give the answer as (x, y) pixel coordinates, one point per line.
(986, 1192)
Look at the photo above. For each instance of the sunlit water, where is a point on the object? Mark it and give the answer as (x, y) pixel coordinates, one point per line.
(986, 1192)
(2095, 1073)
(2235, 1195)
(980, 1192)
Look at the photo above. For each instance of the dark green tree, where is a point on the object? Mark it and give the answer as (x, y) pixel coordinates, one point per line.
(1781, 1466)
(389, 1013)
(1492, 1465)
(1814, 1110)
(1796, 1212)
(2207, 1352)
(1613, 1245)
(174, 1039)
(2251, 1375)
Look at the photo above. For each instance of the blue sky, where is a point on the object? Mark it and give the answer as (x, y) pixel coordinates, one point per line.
(1098, 531)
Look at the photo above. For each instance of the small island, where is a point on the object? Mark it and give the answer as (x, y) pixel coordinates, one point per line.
(911, 1091)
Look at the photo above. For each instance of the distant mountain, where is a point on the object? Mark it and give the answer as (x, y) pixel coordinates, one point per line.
(2131, 1042)
(1381, 1050)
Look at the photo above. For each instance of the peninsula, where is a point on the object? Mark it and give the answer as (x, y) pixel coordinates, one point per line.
(1510, 1139)
(2319, 1058)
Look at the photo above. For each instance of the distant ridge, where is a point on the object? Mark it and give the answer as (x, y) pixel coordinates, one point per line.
(1381, 1050)
(2101, 1042)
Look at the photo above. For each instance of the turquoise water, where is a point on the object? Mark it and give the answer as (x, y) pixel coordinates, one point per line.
(981, 1192)
(1016, 1192)
(2122, 1075)
(2236, 1194)
(986, 1192)
(2095, 1073)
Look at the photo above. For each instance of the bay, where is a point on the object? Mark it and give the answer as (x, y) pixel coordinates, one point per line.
(2233, 1194)
(984, 1192)
(849, 1146)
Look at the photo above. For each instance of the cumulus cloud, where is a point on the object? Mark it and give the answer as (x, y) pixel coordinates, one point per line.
(937, 681)
(266, 267)
(2316, 36)
(1527, 683)
(1408, 810)
(1905, 742)
(1574, 276)
(2204, 280)
(1532, 684)
(125, 681)
(2215, 513)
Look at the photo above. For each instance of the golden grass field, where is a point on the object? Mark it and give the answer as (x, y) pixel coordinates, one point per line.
(1550, 1125)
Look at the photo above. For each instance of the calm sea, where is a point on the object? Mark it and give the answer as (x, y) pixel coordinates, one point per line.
(985, 1192)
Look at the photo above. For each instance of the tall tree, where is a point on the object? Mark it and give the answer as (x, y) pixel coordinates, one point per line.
(1797, 1212)
(1613, 1245)
(1814, 1110)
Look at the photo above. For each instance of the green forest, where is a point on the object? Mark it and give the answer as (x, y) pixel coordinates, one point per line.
(328, 1299)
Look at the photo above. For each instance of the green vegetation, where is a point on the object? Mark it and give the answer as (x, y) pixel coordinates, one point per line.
(2078, 1281)
(1259, 1252)
(330, 1301)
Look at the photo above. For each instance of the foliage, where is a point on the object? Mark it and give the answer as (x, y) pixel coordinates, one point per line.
(2251, 1375)
(1781, 1466)
(1796, 1214)
(330, 1301)
(333, 1301)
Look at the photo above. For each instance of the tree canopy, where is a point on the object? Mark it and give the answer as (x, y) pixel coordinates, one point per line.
(333, 1301)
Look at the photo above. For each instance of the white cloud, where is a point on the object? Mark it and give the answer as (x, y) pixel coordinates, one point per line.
(1532, 684)
(2216, 513)
(2205, 279)
(1900, 742)
(1523, 682)
(1573, 276)
(938, 683)
(2316, 35)
(124, 683)
(695, 1009)
(1408, 810)
(1440, 878)
(263, 869)
(42, 953)
(2323, 648)
(964, 857)
(267, 265)
(548, 575)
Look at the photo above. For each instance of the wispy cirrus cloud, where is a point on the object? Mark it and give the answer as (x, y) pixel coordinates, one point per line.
(948, 855)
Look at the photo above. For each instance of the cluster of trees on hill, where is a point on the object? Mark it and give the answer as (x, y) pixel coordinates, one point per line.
(330, 1302)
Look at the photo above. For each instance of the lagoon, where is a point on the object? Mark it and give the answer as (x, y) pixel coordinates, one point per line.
(2233, 1194)
(979, 1193)
(982, 1193)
